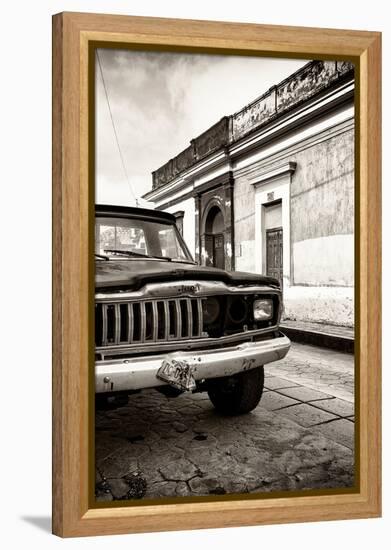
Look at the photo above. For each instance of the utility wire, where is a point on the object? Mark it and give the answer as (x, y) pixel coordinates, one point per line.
(114, 129)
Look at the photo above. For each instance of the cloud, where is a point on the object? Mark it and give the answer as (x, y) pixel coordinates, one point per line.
(160, 101)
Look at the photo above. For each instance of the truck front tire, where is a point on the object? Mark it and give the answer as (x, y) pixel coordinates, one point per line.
(238, 394)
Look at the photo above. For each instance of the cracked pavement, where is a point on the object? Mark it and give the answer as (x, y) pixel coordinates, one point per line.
(301, 436)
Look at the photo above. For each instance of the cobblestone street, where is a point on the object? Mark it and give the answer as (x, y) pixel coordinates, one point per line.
(301, 436)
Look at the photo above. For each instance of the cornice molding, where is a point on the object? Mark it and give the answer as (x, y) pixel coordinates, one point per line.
(285, 168)
(302, 115)
(287, 151)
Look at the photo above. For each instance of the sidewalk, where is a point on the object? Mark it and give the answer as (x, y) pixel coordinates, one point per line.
(319, 369)
(319, 334)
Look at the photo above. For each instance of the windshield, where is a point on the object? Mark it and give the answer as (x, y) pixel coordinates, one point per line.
(127, 238)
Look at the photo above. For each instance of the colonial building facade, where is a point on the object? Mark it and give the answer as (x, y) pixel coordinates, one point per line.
(270, 189)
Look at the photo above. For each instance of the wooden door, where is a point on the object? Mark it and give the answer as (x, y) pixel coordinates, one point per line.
(209, 249)
(274, 253)
(214, 247)
(218, 251)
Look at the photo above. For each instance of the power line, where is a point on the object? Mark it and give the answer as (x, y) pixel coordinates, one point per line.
(114, 129)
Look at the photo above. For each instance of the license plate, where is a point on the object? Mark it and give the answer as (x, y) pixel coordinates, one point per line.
(177, 373)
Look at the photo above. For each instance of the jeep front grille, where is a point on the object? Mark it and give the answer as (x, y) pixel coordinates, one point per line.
(148, 321)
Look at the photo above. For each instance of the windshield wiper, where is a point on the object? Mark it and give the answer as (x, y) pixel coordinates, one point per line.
(180, 261)
(124, 252)
(131, 253)
(101, 256)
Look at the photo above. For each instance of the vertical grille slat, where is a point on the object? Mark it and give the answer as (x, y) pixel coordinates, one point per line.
(190, 318)
(143, 322)
(166, 320)
(117, 324)
(104, 324)
(130, 323)
(154, 321)
(200, 316)
(148, 321)
(178, 320)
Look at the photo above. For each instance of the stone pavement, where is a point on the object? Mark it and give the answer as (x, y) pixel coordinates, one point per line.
(301, 436)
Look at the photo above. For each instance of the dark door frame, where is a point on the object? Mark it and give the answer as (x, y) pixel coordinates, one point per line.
(216, 192)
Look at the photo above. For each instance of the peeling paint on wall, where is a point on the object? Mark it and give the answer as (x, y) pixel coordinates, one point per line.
(318, 197)
(254, 114)
(322, 189)
(329, 305)
(309, 81)
(324, 261)
(245, 261)
(305, 83)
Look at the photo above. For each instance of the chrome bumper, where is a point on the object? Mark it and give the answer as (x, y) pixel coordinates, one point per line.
(140, 372)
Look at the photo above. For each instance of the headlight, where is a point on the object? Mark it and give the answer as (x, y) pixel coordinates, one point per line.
(263, 310)
(237, 310)
(211, 310)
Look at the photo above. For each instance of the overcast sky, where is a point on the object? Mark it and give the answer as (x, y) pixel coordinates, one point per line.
(160, 101)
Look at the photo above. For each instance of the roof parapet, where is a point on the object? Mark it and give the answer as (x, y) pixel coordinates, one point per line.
(313, 78)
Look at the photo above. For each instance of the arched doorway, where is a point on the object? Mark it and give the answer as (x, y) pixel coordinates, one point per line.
(214, 227)
(214, 238)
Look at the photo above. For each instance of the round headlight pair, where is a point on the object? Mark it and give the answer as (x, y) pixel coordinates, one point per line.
(263, 309)
(237, 310)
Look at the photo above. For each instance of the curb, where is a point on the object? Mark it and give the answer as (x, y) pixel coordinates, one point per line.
(320, 339)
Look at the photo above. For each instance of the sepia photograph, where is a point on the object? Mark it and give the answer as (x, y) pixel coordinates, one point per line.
(224, 275)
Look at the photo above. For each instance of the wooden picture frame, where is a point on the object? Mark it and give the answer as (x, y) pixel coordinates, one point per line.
(73, 34)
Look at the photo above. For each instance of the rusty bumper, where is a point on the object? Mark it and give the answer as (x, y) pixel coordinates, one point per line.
(133, 373)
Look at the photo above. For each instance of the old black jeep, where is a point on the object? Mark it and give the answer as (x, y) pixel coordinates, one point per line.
(164, 322)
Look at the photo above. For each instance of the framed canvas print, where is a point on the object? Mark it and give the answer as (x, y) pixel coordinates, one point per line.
(216, 239)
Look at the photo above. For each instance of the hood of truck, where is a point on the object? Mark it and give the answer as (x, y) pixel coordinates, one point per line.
(133, 274)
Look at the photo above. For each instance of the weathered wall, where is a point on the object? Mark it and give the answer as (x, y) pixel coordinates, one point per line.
(322, 213)
(320, 304)
(321, 224)
(213, 139)
(314, 77)
(244, 228)
(316, 191)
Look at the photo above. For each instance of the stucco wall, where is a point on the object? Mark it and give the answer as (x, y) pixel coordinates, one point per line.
(322, 213)
(188, 207)
(309, 168)
(244, 215)
(332, 305)
(320, 287)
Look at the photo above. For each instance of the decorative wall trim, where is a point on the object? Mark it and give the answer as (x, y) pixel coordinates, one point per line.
(217, 192)
(274, 186)
(302, 144)
(188, 180)
(284, 169)
(314, 79)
